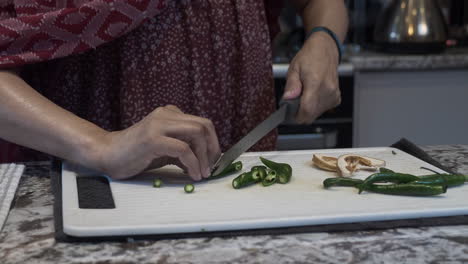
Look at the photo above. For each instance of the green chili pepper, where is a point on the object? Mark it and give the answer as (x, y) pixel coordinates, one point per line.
(270, 179)
(433, 179)
(232, 168)
(258, 175)
(408, 189)
(245, 179)
(451, 180)
(189, 188)
(283, 170)
(390, 177)
(259, 167)
(387, 175)
(385, 170)
(283, 179)
(341, 181)
(262, 170)
(157, 183)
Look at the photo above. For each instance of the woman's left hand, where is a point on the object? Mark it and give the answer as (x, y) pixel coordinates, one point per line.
(313, 76)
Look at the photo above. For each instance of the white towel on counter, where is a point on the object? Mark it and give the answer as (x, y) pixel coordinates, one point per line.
(10, 175)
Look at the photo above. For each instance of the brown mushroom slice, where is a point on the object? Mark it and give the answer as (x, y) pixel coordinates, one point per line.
(370, 164)
(348, 164)
(325, 162)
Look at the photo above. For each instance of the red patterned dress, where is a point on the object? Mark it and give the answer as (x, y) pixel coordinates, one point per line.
(113, 62)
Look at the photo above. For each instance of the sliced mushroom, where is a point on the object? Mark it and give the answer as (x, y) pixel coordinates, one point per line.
(348, 164)
(325, 162)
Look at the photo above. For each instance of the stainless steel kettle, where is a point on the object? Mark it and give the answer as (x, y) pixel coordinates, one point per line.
(411, 26)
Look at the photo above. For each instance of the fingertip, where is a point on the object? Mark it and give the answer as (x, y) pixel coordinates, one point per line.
(197, 177)
(293, 87)
(292, 93)
(207, 172)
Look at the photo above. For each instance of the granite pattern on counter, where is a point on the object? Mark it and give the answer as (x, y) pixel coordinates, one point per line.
(455, 58)
(28, 237)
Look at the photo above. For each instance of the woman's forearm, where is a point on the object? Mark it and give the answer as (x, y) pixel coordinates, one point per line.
(166, 135)
(329, 13)
(27, 118)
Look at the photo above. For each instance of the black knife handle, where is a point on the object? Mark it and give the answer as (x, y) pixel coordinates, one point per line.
(292, 109)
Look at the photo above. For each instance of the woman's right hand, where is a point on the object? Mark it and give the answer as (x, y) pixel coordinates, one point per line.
(165, 136)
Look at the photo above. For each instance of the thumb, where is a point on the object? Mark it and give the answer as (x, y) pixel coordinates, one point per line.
(293, 87)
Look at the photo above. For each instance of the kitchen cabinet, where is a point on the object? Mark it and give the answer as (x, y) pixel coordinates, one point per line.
(427, 107)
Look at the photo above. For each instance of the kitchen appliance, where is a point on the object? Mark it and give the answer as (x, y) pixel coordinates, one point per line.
(458, 22)
(140, 209)
(411, 26)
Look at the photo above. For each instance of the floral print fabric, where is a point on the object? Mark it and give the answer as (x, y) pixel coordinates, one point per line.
(210, 58)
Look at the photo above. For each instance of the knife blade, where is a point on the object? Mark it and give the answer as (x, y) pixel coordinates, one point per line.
(285, 114)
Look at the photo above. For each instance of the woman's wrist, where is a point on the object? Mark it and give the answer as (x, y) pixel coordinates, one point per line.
(336, 41)
(323, 41)
(89, 150)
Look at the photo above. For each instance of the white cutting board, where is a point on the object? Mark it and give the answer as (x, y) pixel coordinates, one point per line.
(216, 206)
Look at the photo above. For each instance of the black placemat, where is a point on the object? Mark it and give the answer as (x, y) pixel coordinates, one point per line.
(403, 145)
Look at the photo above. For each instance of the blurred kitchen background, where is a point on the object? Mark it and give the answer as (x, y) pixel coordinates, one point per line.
(404, 74)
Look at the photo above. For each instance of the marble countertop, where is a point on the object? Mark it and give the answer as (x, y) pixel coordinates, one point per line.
(28, 236)
(452, 58)
(366, 60)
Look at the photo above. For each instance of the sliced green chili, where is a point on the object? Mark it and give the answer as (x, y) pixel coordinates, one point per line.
(157, 183)
(283, 178)
(283, 170)
(407, 189)
(270, 179)
(245, 179)
(189, 188)
(232, 168)
(341, 181)
(262, 170)
(258, 167)
(257, 175)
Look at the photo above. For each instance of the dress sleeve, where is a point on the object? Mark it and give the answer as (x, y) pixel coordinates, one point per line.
(33, 31)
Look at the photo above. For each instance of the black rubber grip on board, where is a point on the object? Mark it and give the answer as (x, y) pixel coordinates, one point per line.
(94, 192)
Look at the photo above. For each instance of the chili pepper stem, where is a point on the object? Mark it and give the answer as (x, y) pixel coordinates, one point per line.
(431, 170)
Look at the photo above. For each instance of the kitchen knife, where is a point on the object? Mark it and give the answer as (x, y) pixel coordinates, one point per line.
(286, 113)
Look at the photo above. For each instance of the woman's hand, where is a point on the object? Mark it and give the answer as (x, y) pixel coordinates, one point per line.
(313, 76)
(165, 136)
